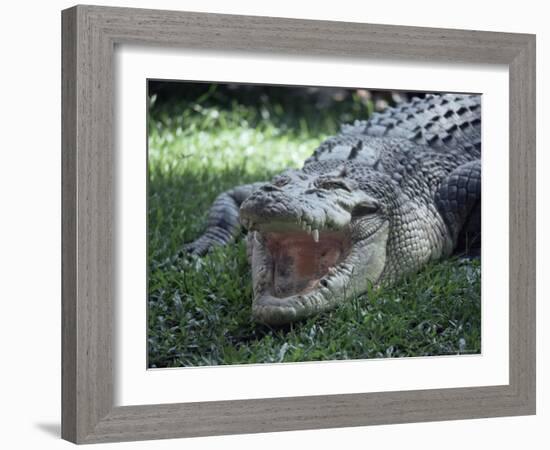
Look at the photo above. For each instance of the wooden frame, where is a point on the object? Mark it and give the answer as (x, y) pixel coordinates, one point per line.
(89, 36)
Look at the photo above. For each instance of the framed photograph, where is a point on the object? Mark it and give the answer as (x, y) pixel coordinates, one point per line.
(277, 224)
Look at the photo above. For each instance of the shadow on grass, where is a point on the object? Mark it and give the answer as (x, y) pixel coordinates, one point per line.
(307, 109)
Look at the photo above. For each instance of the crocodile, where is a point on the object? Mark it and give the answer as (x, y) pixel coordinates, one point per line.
(374, 203)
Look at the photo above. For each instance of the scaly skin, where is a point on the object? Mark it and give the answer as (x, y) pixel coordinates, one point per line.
(372, 204)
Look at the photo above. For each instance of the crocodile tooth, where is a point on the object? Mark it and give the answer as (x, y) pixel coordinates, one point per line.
(255, 235)
(308, 229)
(316, 235)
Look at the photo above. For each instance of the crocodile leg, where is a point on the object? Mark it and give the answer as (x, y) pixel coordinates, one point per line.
(223, 224)
(459, 202)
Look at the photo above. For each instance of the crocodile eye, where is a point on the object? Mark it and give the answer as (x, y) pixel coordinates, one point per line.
(330, 184)
(280, 180)
(364, 209)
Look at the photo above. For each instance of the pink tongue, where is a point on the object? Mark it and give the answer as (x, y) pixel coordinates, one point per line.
(299, 262)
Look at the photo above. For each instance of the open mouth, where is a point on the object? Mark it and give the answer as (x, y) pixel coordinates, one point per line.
(306, 261)
(302, 262)
(298, 271)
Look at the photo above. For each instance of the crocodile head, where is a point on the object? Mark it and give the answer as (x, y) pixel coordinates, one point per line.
(315, 239)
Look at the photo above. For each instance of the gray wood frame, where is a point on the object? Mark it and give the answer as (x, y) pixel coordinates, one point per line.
(89, 36)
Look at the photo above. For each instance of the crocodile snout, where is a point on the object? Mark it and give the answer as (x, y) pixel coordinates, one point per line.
(269, 204)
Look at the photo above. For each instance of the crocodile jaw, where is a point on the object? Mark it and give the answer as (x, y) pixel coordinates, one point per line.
(294, 279)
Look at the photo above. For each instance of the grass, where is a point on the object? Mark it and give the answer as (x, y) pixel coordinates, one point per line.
(199, 310)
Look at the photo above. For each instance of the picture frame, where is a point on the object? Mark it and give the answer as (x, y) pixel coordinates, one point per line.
(89, 37)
